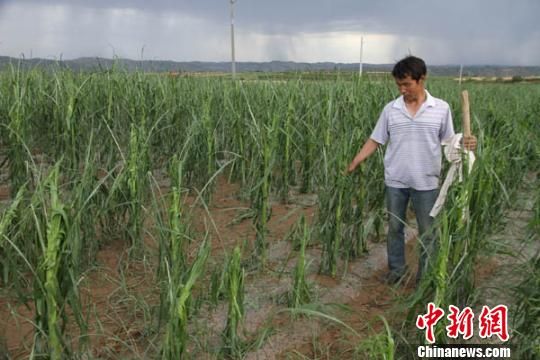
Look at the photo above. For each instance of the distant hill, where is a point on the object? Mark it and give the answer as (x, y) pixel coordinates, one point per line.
(102, 64)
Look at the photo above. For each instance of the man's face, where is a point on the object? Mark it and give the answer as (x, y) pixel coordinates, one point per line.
(410, 88)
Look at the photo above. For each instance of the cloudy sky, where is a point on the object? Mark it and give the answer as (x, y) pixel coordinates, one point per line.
(441, 31)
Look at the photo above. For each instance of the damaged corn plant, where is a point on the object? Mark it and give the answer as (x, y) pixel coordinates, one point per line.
(114, 160)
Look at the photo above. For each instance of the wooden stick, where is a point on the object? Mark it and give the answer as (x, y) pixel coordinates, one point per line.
(466, 113)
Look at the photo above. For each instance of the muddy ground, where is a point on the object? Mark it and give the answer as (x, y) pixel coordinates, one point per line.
(121, 296)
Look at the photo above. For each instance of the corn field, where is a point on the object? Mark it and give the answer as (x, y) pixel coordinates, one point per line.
(226, 203)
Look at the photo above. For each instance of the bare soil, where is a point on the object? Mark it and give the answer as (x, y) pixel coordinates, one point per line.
(120, 296)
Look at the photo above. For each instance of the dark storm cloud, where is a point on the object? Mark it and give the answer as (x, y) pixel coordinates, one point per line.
(514, 18)
(480, 31)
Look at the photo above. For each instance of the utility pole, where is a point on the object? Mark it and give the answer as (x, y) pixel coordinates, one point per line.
(460, 73)
(233, 62)
(361, 54)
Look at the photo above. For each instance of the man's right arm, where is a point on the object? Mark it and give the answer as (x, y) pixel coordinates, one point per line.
(379, 136)
(369, 148)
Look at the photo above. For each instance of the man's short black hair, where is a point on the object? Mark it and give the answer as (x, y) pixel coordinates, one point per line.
(409, 66)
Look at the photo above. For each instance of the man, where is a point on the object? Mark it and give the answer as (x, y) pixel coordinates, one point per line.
(413, 125)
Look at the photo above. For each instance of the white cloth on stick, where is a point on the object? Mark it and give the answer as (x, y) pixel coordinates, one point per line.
(452, 153)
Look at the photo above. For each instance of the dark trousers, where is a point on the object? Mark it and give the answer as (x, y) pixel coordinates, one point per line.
(397, 200)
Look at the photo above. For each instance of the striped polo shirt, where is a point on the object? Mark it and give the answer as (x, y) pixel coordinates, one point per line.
(413, 155)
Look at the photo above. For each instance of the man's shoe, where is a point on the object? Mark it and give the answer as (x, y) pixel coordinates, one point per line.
(392, 278)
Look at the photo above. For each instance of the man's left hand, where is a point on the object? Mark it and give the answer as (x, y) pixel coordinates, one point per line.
(469, 142)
